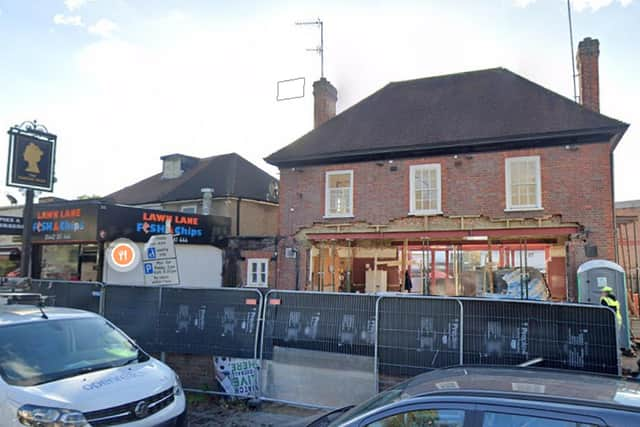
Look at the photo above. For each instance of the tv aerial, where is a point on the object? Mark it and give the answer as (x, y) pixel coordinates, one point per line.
(300, 82)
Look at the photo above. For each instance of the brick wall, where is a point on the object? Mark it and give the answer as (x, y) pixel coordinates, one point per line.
(575, 184)
(195, 371)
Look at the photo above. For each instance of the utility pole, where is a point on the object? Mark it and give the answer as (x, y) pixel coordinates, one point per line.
(27, 220)
(573, 58)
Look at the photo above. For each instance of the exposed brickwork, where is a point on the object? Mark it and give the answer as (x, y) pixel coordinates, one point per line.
(576, 184)
(195, 371)
(588, 70)
(325, 97)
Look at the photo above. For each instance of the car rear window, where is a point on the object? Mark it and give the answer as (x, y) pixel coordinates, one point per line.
(496, 419)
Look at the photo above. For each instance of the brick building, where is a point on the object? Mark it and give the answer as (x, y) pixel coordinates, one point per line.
(628, 237)
(449, 178)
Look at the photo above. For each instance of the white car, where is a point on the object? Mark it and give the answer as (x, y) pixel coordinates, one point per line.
(71, 368)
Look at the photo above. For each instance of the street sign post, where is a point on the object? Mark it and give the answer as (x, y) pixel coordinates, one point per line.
(31, 166)
(160, 262)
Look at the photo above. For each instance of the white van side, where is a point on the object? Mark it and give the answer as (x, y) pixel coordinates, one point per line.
(69, 367)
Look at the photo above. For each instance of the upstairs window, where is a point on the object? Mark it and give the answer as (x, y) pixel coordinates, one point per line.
(339, 194)
(522, 176)
(425, 188)
(189, 209)
(258, 272)
(171, 168)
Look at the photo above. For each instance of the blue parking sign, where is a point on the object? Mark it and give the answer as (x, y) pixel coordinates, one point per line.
(151, 253)
(148, 268)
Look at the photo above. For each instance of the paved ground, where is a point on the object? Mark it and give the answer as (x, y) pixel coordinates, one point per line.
(210, 411)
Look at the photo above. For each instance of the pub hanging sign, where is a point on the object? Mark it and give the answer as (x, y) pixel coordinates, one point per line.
(32, 152)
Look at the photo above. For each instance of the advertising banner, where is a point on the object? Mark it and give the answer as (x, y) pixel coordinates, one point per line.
(237, 376)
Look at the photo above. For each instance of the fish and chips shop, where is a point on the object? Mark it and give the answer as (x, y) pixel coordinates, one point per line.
(70, 240)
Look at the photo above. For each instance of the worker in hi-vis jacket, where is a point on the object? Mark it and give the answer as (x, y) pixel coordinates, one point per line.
(608, 298)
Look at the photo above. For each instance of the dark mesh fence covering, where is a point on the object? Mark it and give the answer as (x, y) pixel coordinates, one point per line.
(221, 322)
(135, 310)
(318, 348)
(565, 336)
(80, 295)
(313, 342)
(416, 334)
(337, 323)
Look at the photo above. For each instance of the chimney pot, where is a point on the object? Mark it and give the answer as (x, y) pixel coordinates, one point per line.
(325, 96)
(588, 70)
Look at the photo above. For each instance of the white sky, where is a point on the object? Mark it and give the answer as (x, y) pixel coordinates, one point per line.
(124, 82)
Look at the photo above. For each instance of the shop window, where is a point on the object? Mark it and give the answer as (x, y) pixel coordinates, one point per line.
(257, 272)
(523, 188)
(189, 209)
(60, 262)
(425, 188)
(339, 194)
(511, 420)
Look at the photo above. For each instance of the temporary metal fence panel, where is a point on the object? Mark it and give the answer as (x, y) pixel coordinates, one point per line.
(318, 348)
(220, 322)
(415, 335)
(80, 295)
(567, 336)
(135, 310)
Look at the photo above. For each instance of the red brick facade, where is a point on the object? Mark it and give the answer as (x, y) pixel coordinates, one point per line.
(576, 184)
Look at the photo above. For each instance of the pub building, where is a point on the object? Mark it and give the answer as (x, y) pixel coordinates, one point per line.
(70, 239)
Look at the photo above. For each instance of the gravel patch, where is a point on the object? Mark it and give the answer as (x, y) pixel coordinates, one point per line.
(214, 411)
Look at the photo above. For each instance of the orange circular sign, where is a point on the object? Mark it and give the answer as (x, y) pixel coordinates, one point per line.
(123, 255)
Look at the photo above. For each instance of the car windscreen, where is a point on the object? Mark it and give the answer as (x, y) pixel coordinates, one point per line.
(48, 350)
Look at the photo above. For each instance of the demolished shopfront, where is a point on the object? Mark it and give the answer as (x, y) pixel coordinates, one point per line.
(453, 256)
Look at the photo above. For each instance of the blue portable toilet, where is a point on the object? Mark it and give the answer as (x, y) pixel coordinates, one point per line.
(596, 274)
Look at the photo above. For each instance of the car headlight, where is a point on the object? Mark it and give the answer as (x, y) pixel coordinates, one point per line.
(40, 416)
(177, 388)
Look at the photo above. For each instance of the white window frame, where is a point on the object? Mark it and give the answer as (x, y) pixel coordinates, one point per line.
(412, 190)
(507, 183)
(258, 283)
(187, 209)
(326, 194)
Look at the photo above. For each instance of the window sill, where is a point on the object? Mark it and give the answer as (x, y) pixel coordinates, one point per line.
(337, 216)
(523, 209)
(426, 213)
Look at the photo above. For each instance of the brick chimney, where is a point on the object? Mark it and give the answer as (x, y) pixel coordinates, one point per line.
(587, 59)
(325, 97)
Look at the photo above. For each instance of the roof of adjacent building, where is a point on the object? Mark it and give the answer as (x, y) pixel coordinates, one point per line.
(230, 175)
(473, 111)
(628, 204)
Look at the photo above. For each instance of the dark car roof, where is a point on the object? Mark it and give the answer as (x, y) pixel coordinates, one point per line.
(540, 383)
(477, 110)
